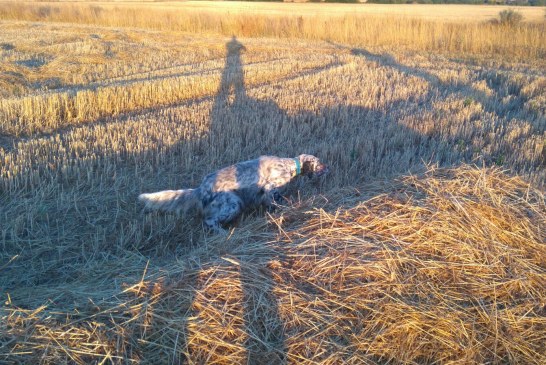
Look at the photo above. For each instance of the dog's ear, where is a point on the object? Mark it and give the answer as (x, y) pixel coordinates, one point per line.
(308, 168)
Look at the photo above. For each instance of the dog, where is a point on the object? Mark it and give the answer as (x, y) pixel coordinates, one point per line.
(225, 194)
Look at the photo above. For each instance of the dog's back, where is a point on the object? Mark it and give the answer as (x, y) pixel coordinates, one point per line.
(263, 171)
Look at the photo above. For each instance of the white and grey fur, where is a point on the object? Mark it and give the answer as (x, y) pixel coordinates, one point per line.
(225, 194)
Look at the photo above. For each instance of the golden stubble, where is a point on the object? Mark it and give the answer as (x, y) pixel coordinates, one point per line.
(388, 259)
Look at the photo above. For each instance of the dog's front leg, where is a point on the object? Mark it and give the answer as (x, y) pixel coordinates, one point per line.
(213, 225)
(273, 199)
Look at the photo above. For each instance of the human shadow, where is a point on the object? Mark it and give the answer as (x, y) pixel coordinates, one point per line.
(266, 341)
(266, 338)
(500, 107)
(232, 76)
(387, 60)
(492, 103)
(237, 119)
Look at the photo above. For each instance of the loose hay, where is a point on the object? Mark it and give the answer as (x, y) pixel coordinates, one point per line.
(444, 267)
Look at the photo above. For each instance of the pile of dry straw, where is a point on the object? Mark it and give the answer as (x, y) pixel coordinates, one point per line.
(445, 267)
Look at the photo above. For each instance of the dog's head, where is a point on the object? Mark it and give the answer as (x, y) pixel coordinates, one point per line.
(311, 166)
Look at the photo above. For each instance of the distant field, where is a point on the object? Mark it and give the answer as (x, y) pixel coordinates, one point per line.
(450, 12)
(425, 244)
(458, 13)
(457, 29)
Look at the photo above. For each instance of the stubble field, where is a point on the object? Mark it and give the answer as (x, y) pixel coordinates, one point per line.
(425, 244)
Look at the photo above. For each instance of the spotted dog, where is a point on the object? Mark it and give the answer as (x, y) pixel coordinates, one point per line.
(225, 194)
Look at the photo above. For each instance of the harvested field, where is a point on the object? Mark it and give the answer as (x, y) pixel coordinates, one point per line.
(425, 244)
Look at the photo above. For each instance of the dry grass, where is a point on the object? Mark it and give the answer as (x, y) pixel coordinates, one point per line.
(445, 266)
(419, 28)
(450, 13)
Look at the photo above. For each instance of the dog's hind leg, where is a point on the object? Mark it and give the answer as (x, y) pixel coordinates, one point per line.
(224, 208)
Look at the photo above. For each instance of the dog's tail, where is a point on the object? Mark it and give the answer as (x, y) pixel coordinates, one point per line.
(172, 200)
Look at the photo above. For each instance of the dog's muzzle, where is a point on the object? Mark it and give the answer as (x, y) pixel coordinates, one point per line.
(321, 170)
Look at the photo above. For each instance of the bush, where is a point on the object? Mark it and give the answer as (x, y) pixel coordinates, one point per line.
(510, 17)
